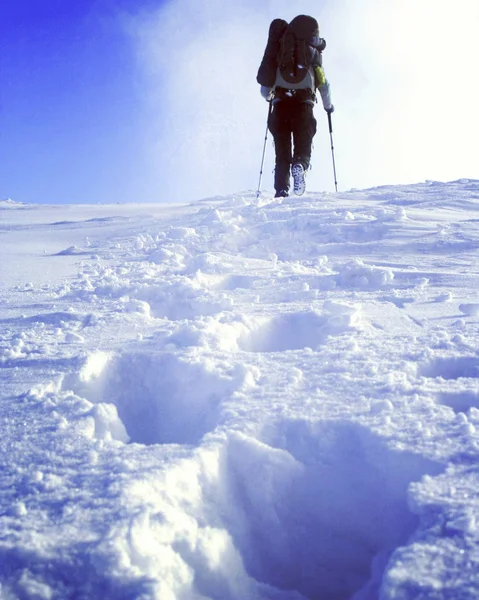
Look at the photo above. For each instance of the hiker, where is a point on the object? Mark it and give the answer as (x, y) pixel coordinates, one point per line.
(290, 73)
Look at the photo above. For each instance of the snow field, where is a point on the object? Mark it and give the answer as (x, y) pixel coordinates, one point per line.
(273, 399)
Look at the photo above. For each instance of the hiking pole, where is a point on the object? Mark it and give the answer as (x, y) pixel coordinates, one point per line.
(332, 149)
(264, 150)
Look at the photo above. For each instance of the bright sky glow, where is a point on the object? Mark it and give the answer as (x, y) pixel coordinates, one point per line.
(118, 101)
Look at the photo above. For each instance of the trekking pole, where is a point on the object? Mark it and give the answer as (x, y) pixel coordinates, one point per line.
(332, 149)
(264, 151)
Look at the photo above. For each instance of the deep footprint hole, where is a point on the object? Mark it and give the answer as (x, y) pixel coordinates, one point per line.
(452, 367)
(294, 331)
(461, 401)
(322, 507)
(160, 398)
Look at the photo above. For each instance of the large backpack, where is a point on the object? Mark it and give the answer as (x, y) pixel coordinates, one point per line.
(295, 54)
(288, 49)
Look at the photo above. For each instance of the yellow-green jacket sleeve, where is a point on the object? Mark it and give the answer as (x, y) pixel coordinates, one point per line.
(322, 85)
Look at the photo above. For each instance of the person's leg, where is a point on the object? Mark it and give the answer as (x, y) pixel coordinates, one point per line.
(280, 127)
(303, 125)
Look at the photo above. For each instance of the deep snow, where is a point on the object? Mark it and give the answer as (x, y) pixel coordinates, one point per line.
(271, 399)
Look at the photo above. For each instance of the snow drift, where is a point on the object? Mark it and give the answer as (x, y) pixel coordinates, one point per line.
(271, 399)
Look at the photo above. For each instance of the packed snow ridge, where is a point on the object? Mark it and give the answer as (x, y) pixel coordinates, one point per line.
(241, 398)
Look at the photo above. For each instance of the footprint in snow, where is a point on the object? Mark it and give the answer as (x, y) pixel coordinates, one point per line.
(160, 398)
(339, 480)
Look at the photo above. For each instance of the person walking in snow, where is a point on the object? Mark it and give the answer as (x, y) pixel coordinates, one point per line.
(290, 73)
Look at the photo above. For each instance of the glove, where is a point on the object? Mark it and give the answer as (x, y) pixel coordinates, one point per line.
(330, 109)
(267, 93)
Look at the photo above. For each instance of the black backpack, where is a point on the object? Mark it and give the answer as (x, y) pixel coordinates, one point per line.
(267, 69)
(289, 49)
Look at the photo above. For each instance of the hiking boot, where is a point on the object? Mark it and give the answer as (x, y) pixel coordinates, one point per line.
(281, 194)
(299, 185)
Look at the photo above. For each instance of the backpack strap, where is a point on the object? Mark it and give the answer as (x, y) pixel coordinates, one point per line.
(296, 95)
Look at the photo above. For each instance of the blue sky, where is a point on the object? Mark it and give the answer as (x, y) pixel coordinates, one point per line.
(71, 120)
(143, 100)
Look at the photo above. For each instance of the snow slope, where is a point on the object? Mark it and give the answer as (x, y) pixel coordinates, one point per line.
(272, 399)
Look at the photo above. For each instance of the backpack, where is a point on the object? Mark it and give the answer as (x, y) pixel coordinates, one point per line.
(288, 49)
(295, 55)
(269, 65)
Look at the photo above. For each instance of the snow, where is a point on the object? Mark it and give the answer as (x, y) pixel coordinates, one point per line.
(271, 399)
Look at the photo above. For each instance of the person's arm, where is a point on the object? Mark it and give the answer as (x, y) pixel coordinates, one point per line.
(322, 85)
(267, 93)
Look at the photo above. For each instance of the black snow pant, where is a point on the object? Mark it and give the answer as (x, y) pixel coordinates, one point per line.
(293, 126)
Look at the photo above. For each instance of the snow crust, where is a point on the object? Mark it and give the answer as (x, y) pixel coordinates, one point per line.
(273, 399)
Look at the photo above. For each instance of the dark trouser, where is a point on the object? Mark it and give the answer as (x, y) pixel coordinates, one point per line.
(291, 118)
